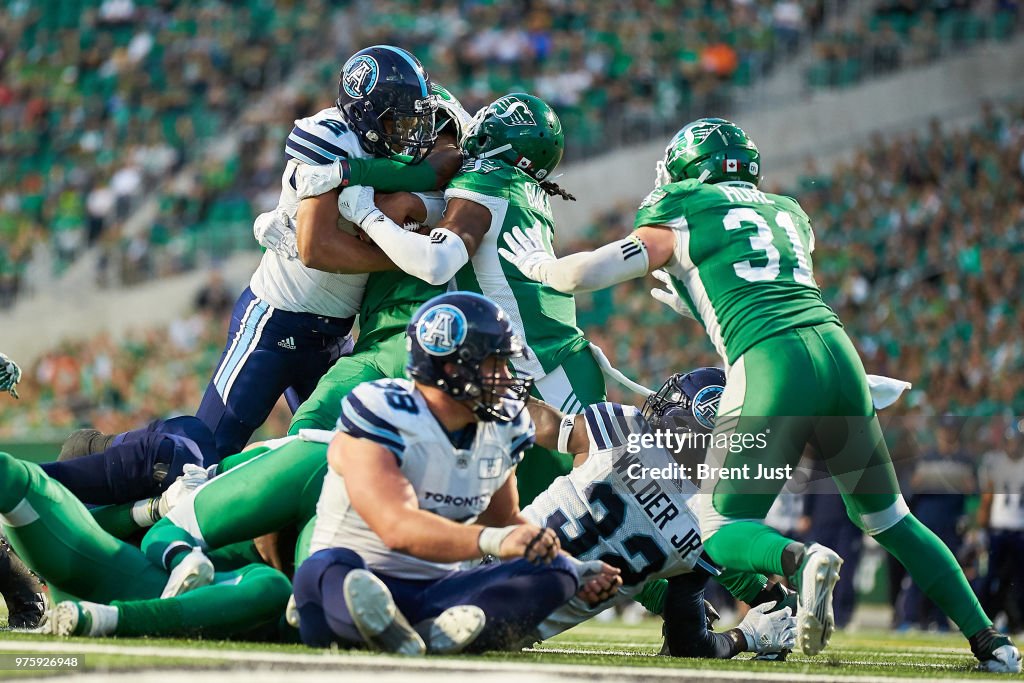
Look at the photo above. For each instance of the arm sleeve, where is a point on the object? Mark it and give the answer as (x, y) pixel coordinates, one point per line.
(590, 270)
(686, 622)
(433, 258)
(387, 175)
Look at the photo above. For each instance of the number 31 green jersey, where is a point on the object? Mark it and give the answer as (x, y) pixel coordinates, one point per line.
(742, 260)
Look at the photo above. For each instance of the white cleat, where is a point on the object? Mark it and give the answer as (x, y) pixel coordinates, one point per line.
(1004, 660)
(291, 613)
(815, 619)
(71, 618)
(453, 630)
(195, 571)
(377, 617)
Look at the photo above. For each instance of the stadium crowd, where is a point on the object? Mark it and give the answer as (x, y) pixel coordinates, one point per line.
(102, 99)
(905, 33)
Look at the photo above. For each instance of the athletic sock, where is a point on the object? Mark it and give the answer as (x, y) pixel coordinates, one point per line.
(748, 546)
(246, 600)
(652, 596)
(936, 572)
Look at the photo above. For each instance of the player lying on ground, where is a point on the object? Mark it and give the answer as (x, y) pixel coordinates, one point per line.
(422, 478)
(741, 260)
(58, 538)
(610, 508)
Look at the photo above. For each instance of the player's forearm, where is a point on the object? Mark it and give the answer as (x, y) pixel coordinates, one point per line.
(686, 624)
(322, 246)
(433, 258)
(591, 270)
(431, 537)
(386, 175)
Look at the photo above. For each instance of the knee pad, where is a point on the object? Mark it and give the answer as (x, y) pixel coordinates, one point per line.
(874, 523)
(309, 575)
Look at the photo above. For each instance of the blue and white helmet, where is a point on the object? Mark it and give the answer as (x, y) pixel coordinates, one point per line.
(450, 337)
(384, 95)
(687, 402)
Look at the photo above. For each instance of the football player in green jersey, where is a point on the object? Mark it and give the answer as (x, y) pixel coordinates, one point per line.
(58, 538)
(514, 144)
(740, 259)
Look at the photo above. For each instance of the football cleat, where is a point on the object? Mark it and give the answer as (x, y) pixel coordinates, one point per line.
(195, 571)
(71, 618)
(291, 613)
(22, 590)
(996, 653)
(453, 630)
(815, 619)
(376, 616)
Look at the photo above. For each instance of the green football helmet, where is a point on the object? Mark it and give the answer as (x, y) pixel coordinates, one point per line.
(521, 130)
(712, 151)
(449, 112)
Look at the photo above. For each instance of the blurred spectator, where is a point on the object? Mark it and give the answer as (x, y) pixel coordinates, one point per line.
(941, 480)
(1001, 514)
(215, 299)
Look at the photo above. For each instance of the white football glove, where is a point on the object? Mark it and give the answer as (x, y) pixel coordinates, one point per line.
(192, 477)
(10, 375)
(356, 203)
(311, 181)
(668, 295)
(768, 632)
(526, 252)
(275, 231)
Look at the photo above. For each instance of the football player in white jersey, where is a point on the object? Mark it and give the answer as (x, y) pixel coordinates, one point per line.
(628, 503)
(422, 478)
(293, 321)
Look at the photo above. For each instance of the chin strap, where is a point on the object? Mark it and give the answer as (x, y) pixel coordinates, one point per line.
(612, 373)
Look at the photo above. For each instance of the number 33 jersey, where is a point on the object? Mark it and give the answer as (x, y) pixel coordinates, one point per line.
(611, 508)
(452, 482)
(742, 260)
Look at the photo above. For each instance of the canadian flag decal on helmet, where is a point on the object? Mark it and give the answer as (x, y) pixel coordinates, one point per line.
(731, 166)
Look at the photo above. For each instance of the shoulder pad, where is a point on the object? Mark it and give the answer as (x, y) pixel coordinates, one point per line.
(610, 424)
(376, 411)
(321, 138)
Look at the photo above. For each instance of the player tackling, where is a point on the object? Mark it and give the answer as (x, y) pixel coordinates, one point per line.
(740, 259)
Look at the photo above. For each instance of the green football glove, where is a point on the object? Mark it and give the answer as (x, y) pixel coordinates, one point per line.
(10, 375)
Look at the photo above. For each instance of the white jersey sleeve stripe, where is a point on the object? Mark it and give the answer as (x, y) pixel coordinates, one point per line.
(301, 152)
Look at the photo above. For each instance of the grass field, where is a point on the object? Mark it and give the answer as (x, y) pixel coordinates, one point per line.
(593, 652)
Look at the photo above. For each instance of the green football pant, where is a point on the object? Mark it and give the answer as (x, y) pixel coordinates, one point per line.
(57, 537)
(576, 383)
(807, 386)
(384, 359)
(275, 491)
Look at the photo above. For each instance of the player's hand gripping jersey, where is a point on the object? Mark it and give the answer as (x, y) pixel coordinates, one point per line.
(742, 260)
(611, 509)
(392, 413)
(286, 283)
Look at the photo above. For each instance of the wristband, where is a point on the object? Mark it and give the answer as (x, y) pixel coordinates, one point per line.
(565, 431)
(492, 537)
(146, 513)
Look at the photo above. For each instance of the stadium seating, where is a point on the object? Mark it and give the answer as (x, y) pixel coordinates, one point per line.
(907, 33)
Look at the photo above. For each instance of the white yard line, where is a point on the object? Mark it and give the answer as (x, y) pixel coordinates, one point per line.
(383, 669)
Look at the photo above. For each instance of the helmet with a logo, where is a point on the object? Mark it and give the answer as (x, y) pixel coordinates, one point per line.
(712, 151)
(450, 339)
(384, 96)
(686, 402)
(521, 130)
(450, 113)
